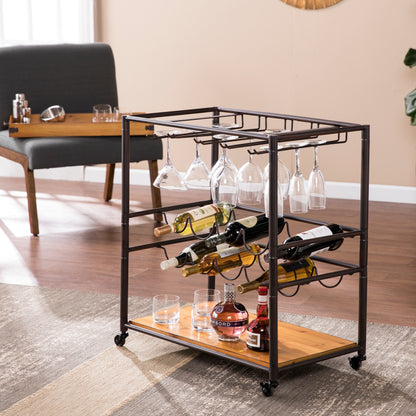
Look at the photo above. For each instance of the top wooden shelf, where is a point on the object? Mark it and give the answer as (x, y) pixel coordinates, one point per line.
(75, 124)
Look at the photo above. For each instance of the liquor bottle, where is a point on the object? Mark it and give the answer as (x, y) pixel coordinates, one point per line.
(224, 260)
(295, 253)
(258, 335)
(199, 218)
(253, 227)
(286, 272)
(229, 318)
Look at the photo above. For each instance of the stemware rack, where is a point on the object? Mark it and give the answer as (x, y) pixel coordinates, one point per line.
(290, 346)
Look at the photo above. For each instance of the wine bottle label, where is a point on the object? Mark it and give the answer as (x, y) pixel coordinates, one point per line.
(230, 251)
(228, 324)
(223, 246)
(248, 222)
(296, 265)
(203, 212)
(253, 340)
(314, 253)
(187, 250)
(322, 231)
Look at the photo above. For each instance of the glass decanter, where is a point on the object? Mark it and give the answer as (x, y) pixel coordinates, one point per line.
(229, 318)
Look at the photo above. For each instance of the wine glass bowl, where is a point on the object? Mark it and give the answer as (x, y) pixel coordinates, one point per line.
(169, 177)
(250, 183)
(316, 182)
(224, 186)
(197, 175)
(298, 196)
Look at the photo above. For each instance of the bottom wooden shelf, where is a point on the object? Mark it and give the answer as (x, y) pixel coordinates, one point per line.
(296, 344)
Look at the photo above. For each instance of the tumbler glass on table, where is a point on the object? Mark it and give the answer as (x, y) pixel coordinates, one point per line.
(101, 113)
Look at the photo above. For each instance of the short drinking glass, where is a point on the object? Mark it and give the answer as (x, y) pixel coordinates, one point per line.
(204, 302)
(166, 309)
(101, 113)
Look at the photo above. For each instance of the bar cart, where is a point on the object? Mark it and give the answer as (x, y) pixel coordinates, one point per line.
(291, 346)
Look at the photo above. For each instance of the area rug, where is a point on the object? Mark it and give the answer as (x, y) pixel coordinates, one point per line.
(58, 358)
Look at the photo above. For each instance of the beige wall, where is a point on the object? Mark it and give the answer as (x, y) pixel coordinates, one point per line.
(344, 63)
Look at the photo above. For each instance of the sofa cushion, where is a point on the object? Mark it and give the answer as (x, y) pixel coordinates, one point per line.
(50, 152)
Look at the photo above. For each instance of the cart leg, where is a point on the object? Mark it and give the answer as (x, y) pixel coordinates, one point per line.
(120, 339)
(266, 387)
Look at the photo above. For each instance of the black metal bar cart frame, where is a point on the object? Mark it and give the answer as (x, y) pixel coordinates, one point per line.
(253, 129)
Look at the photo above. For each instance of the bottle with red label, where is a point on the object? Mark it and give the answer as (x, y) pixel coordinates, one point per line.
(258, 333)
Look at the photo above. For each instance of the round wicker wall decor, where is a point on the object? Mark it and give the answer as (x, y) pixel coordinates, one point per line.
(310, 4)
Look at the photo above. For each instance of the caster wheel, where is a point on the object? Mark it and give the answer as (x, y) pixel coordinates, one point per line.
(355, 362)
(266, 387)
(120, 339)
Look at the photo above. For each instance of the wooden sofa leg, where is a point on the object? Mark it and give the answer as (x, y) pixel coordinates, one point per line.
(109, 180)
(156, 198)
(31, 200)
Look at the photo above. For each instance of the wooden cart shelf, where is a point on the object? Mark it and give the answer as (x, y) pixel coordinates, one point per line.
(296, 343)
(75, 124)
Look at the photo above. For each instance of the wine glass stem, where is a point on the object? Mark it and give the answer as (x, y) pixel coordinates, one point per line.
(168, 161)
(297, 164)
(197, 151)
(315, 158)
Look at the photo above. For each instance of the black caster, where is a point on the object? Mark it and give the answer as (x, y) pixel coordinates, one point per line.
(266, 387)
(120, 339)
(356, 361)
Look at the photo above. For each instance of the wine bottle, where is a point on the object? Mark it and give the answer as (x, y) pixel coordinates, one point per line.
(295, 253)
(190, 255)
(286, 272)
(253, 227)
(258, 334)
(200, 218)
(224, 260)
(229, 318)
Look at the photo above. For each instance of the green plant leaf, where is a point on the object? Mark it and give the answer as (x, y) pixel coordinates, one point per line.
(410, 103)
(410, 58)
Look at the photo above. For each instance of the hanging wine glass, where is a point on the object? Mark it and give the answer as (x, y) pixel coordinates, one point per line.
(226, 125)
(267, 200)
(283, 177)
(316, 182)
(169, 177)
(298, 196)
(197, 175)
(224, 181)
(224, 156)
(250, 182)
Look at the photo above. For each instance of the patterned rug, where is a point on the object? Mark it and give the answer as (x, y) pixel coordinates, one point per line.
(58, 358)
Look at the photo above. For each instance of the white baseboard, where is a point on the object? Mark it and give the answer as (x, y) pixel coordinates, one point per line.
(341, 190)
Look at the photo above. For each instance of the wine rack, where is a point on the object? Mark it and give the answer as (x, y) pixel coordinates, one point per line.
(256, 131)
